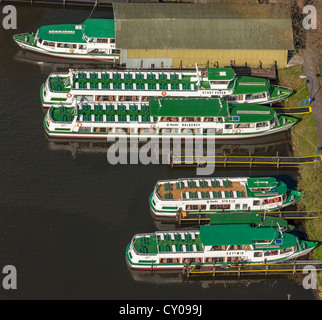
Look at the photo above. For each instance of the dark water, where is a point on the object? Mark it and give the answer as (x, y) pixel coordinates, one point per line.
(67, 214)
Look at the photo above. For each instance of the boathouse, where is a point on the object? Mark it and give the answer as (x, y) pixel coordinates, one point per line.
(160, 35)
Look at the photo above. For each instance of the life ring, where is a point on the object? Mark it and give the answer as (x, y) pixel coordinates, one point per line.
(71, 50)
(164, 93)
(204, 74)
(270, 201)
(48, 121)
(153, 126)
(276, 200)
(79, 125)
(238, 131)
(68, 95)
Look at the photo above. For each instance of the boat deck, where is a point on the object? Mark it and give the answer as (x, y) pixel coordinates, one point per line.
(104, 113)
(201, 189)
(168, 242)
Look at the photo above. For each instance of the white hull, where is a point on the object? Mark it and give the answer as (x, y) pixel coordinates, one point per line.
(67, 55)
(168, 136)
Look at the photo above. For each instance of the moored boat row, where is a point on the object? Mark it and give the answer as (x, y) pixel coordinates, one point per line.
(160, 104)
(214, 244)
(164, 118)
(118, 85)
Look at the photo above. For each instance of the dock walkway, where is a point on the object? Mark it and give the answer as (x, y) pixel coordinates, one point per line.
(290, 268)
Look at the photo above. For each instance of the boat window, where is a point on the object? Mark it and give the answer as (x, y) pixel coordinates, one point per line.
(244, 206)
(196, 260)
(219, 82)
(208, 119)
(39, 40)
(237, 206)
(211, 131)
(220, 206)
(218, 248)
(188, 119)
(258, 254)
(82, 47)
(271, 253)
(261, 124)
(256, 203)
(255, 96)
(286, 250)
(216, 259)
(228, 126)
(244, 125)
(102, 40)
(112, 40)
(272, 121)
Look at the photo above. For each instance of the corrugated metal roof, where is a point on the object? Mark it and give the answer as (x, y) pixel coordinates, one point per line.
(202, 26)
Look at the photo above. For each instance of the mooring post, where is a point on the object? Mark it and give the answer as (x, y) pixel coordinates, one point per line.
(225, 159)
(238, 271)
(278, 160)
(199, 218)
(294, 268)
(214, 272)
(250, 160)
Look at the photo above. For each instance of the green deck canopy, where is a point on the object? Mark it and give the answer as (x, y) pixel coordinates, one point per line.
(253, 218)
(251, 113)
(99, 28)
(223, 74)
(235, 234)
(74, 33)
(183, 107)
(261, 183)
(69, 33)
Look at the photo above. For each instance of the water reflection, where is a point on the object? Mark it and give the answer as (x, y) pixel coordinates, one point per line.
(265, 146)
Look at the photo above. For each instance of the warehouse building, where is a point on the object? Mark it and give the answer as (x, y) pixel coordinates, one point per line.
(162, 35)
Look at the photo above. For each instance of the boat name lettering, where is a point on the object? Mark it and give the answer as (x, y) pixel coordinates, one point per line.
(235, 253)
(214, 92)
(190, 125)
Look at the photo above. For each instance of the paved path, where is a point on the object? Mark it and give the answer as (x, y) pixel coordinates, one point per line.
(311, 70)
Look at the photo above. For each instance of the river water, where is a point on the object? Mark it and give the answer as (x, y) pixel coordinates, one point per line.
(67, 214)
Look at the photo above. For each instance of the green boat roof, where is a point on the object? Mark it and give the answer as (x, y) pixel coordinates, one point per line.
(261, 182)
(253, 218)
(240, 234)
(73, 33)
(280, 189)
(99, 28)
(220, 74)
(250, 85)
(185, 107)
(251, 113)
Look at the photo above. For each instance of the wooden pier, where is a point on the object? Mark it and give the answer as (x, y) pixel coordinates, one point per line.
(242, 161)
(265, 269)
(96, 3)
